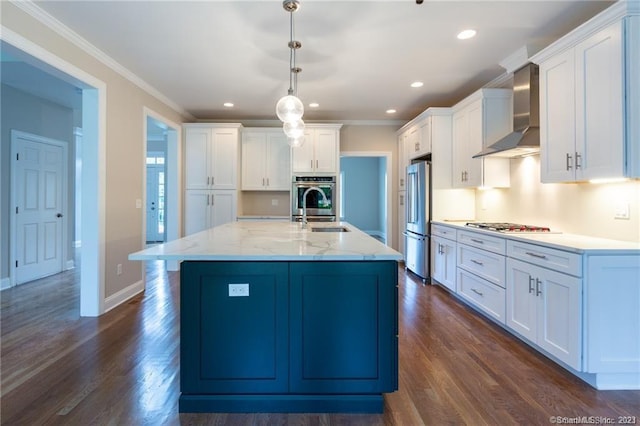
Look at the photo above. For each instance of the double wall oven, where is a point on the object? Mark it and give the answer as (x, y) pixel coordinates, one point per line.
(317, 209)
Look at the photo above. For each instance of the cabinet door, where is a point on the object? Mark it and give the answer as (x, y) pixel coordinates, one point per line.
(443, 267)
(196, 158)
(460, 142)
(224, 159)
(600, 105)
(326, 151)
(302, 159)
(557, 118)
(403, 160)
(343, 327)
(413, 142)
(424, 138)
(521, 299)
(197, 210)
(234, 344)
(253, 161)
(402, 222)
(474, 144)
(559, 316)
(223, 207)
(278, 163)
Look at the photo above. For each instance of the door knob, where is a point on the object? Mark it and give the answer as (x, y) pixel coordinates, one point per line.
(59, 215)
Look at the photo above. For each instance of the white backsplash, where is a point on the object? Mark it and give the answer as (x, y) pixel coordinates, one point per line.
(578, 208)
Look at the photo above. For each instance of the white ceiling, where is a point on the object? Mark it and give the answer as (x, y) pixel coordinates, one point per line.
(358, 57)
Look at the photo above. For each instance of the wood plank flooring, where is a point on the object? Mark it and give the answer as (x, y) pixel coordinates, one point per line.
(123, 367)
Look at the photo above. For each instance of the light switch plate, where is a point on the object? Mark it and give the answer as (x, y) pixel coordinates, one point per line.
(622, 211)
(238, 290)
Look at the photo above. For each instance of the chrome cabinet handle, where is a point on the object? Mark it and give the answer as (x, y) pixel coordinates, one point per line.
(538, 291)
(267, 181)
(531, 279)
(539, 256)
(208, 178)
(316, 164)
(569, 161)
(477, 262)
(262, 181)
(479, 293)
(578, 157)
(477, 241)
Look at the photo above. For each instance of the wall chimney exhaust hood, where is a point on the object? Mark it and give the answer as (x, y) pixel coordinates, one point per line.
(525, 138)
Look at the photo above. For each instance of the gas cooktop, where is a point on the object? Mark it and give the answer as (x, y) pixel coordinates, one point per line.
(507, 227)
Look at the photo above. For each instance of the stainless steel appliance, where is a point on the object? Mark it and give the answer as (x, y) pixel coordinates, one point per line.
(317, 209)
(418, 210)
(508, 227)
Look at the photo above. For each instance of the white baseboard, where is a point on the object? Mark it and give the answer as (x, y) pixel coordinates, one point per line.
(123, 295)
(5, 283)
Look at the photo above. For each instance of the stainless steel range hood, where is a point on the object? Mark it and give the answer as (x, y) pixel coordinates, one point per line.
(525, 138)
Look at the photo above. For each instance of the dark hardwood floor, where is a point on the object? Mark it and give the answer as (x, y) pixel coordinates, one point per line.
(123, 367)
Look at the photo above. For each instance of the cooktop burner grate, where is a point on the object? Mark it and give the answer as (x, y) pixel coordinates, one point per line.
(507, 227)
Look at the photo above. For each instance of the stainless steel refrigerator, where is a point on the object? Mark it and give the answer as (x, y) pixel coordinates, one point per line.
(418, 210)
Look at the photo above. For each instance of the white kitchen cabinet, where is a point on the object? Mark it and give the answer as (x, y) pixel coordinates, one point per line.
(211, 156)
(320, 151)
(589, 90)
(402, 222)
(480, 262)
(403, 160)
(479, 120)
(415, 145)
(440, 135)
(544, 307)
(205, 209)
(443, 256)
(266, 160)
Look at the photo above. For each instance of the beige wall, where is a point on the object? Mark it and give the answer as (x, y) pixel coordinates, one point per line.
(124, 145)
(583, 208)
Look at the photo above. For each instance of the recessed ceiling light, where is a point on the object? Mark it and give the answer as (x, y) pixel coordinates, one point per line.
(228, 104)
(417, 84)
(314, 105)
(391, 111)
(466, 34)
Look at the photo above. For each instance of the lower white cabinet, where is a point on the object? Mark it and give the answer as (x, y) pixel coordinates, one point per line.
(544, 307)
(204, 209)
(443, 261)
(485, 296)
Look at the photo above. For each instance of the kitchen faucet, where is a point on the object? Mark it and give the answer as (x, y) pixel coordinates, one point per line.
(304, 204)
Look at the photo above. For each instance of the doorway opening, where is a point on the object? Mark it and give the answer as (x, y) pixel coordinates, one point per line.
(31, 70)
(162, 198)
(365, 188)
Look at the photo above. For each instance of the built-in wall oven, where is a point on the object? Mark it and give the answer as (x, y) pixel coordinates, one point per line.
(317, 209)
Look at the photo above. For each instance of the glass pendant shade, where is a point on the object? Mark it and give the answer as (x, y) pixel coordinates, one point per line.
(296, 142)
(294, 129)
(289, 108)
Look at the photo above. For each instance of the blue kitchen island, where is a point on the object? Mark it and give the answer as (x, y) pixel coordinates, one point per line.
(276, 318)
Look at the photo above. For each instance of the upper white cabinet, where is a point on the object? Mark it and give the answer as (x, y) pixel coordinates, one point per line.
(266, 160)
(403, 161)
(320, 151)
(211, 156)
(439, 134)
(589, 99)
(478, 121)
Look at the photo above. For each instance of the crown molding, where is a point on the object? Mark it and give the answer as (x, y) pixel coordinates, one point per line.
(59, 28)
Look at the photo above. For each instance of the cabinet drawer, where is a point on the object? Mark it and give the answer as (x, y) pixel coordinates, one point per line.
(482, 294)
(557, 260)
(443, 231)
(486, 242)
(487, 265)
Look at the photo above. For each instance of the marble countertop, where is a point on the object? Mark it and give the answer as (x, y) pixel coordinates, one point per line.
(563, 241)
(272, 240)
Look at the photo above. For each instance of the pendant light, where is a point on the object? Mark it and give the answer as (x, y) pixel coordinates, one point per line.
(289, 108)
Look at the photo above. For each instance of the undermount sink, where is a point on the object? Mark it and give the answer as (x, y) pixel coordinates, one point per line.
(330, 229)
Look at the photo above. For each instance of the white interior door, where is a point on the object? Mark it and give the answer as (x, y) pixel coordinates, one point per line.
(39, 181)
(155, 203)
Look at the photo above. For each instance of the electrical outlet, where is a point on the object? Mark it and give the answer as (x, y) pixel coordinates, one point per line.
(274, 201)
(621, 212)
(138, 203)
(238, 290)
(119, 269)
